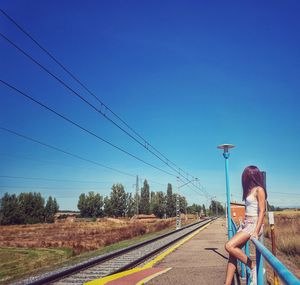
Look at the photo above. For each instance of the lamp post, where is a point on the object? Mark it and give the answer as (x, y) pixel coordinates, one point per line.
(225, 148)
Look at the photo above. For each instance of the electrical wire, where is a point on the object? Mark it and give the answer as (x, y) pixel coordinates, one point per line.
(82, 128)
(78, 95)
(51, 179)
(64, 151)
(71, 74)
(146, 143)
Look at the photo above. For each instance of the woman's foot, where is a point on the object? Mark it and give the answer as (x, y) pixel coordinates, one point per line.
(253, 276)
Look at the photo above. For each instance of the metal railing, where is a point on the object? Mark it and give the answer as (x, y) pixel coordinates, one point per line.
(245, 271)
(285, 275)
(262, 252)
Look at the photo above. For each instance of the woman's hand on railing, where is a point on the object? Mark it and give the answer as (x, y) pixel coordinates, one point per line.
(254, 235)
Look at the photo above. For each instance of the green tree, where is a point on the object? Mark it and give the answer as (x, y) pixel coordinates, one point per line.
(159, 204)
(32, 207)
(145, 199)
(171, 202)
(107, 207)
(194, 209)
(182, 204)
(216, 207)
(9, 210)
(152, 201)
(91, 205)
(50, 209)
(118, 200)
(130, 209)
(137, 200)
(204, 210)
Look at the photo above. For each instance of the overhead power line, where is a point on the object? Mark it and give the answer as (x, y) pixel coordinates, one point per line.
(49, 187)
(69, 180)
(81, 127)
(145, 143)
(99, 111)
(64, 151)
(71, 74)
(51, 179)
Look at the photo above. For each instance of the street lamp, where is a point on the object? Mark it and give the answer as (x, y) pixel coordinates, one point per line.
(178, 217)
(225, 148)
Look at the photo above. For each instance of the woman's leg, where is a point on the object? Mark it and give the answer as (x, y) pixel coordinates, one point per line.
(231, 268)
(233, 246)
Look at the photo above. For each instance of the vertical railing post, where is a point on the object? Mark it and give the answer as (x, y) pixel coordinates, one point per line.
(259, 268)
(247, 252)
(243, 266)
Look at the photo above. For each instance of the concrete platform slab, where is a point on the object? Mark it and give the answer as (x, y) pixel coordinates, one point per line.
(201, 260)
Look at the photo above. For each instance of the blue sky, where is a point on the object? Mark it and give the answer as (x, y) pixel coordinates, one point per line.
(187, 75)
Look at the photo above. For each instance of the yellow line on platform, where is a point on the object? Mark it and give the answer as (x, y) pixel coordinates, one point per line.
(109, 278)
(171, 249)
(105, 280)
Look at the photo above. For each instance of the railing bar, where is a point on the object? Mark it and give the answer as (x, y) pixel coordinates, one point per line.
(284, 274)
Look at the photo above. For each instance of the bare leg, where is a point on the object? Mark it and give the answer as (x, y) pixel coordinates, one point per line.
(233, 246)
(231, 268)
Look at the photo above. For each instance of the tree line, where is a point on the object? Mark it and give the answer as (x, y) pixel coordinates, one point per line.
(27, 208)
(123, 204)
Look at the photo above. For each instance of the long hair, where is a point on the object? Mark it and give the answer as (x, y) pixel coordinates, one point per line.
(252, 177)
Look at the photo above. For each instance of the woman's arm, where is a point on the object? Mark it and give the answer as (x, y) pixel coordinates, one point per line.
(261, 198)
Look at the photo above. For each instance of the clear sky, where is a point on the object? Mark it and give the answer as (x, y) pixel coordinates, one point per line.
(187, 75)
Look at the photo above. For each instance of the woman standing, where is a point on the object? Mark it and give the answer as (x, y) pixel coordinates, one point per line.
(255, 197)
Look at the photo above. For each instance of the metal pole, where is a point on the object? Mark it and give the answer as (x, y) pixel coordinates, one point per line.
(259, 268)
(137, 194)
(230, 233)
(276, 281)
(272, 222)
(178, 218)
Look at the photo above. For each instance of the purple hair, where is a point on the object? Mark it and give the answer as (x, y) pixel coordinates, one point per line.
(252, 177)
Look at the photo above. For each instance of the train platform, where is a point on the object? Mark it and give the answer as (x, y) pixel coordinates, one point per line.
(197, 259)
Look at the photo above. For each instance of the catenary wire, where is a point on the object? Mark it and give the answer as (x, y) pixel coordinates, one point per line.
(81, 83)
(64, 151)
(82, 128)
(96, 109)
(79, 96)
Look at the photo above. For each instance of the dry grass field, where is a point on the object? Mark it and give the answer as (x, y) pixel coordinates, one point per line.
(287, 232)
(29, 249)
(79, 236)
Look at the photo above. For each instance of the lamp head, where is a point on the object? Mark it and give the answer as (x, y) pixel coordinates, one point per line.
(225, 147)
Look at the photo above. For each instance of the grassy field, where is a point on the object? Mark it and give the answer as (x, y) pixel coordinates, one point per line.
(17, 262)
(26, 250)
(287, 232)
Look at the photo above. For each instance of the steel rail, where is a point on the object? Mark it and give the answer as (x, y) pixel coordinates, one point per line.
(57, 276)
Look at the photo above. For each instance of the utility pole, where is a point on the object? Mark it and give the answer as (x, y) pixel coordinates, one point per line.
(178, 218)
(137, 195)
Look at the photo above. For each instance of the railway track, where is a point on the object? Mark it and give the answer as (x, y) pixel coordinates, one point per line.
(114, 262)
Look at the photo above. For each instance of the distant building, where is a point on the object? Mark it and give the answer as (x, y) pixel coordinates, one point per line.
(66, 216)
(237, 212)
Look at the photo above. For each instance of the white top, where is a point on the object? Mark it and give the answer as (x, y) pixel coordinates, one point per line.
(252, 204)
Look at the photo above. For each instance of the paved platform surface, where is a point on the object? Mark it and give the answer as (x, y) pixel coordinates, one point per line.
(201, 260)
